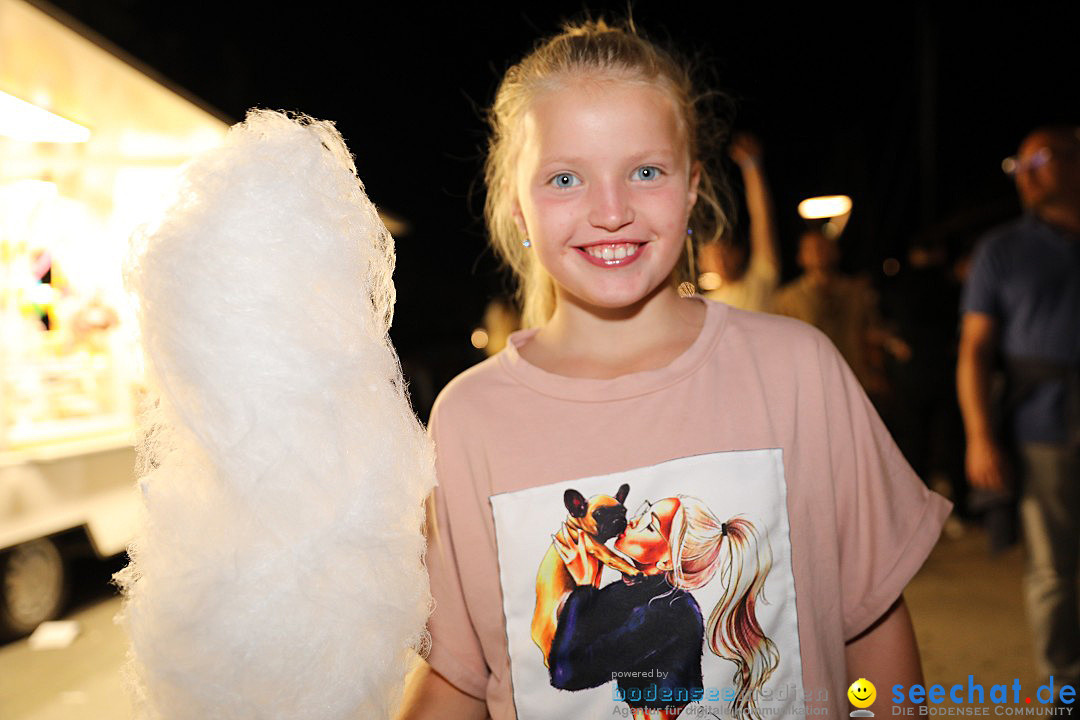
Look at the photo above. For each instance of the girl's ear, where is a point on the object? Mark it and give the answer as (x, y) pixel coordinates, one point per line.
(695, 178)
(519, 217)
(511, 187)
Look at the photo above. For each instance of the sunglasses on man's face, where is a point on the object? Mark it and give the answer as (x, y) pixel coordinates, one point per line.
(1013, 165)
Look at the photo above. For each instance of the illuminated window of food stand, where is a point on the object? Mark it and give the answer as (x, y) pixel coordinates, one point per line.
(89, 142)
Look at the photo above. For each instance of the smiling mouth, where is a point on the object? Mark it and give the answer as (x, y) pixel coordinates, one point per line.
(611, 254)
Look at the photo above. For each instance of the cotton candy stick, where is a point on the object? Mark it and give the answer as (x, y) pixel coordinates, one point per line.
(278, 570)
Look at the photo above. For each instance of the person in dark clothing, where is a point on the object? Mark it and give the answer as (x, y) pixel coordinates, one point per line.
(926, 423)
(1022, 303)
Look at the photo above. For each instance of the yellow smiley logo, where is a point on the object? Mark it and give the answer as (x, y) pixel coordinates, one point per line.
(862, 693)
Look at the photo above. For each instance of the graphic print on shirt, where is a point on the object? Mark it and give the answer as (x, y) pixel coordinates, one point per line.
(664, 589)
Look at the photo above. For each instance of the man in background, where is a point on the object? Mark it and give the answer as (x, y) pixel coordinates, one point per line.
(1022, 304)
(843, 307)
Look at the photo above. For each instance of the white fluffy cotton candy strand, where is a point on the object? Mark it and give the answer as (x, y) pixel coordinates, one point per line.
(278, 572)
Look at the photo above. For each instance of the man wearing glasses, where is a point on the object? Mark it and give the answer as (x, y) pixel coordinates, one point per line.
(1021, 309)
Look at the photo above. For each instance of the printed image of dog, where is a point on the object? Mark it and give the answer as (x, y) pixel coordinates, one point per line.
(598, 519)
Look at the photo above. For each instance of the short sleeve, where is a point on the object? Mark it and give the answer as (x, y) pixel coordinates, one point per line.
(981, 289)
(888, 521)
(456, 652)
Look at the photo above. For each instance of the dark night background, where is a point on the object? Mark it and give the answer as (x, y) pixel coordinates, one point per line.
(908, 108)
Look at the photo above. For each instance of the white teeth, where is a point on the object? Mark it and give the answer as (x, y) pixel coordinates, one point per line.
(617, 251)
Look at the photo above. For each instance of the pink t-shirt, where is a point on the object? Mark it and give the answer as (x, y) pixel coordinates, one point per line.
(759, 419)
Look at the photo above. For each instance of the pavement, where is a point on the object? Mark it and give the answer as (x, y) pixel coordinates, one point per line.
(966, 607)
(81, 681)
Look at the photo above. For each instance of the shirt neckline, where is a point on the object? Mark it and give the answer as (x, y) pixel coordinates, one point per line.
(623, 386)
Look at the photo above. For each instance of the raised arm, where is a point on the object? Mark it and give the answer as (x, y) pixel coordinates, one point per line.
(984, 460)
(746, 152)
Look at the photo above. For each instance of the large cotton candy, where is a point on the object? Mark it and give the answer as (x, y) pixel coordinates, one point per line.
(278, 572)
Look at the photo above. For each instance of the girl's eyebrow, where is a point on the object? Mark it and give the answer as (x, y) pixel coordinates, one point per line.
(659, 153)
(555, 159)
(662, 153)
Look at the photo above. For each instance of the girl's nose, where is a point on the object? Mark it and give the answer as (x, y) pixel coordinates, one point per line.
(611, 207)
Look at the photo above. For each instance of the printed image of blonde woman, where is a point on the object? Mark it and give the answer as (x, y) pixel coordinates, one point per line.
(648, 634)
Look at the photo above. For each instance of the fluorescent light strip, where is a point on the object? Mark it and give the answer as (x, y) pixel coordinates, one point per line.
(825, 207)
(25, 121)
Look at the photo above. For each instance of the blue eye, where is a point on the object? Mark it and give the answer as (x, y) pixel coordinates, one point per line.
(565, 180)
(648, 172)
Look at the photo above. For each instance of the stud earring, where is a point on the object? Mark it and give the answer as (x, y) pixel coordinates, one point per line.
(526, 242)
(689, 231)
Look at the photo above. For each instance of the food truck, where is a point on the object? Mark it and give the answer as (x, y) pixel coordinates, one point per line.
(89, 142)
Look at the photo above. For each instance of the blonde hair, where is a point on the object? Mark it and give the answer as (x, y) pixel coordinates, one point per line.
(593, 48)
(698, 551)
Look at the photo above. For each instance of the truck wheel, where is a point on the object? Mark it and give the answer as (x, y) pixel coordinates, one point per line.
(33, 586)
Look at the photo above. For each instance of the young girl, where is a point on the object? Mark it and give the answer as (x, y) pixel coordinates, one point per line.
(596, 190)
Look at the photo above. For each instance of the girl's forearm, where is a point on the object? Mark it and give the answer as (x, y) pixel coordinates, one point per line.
(886, 654)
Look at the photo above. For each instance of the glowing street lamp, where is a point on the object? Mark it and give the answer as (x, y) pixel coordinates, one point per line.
(834, 209)
(827, 206)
